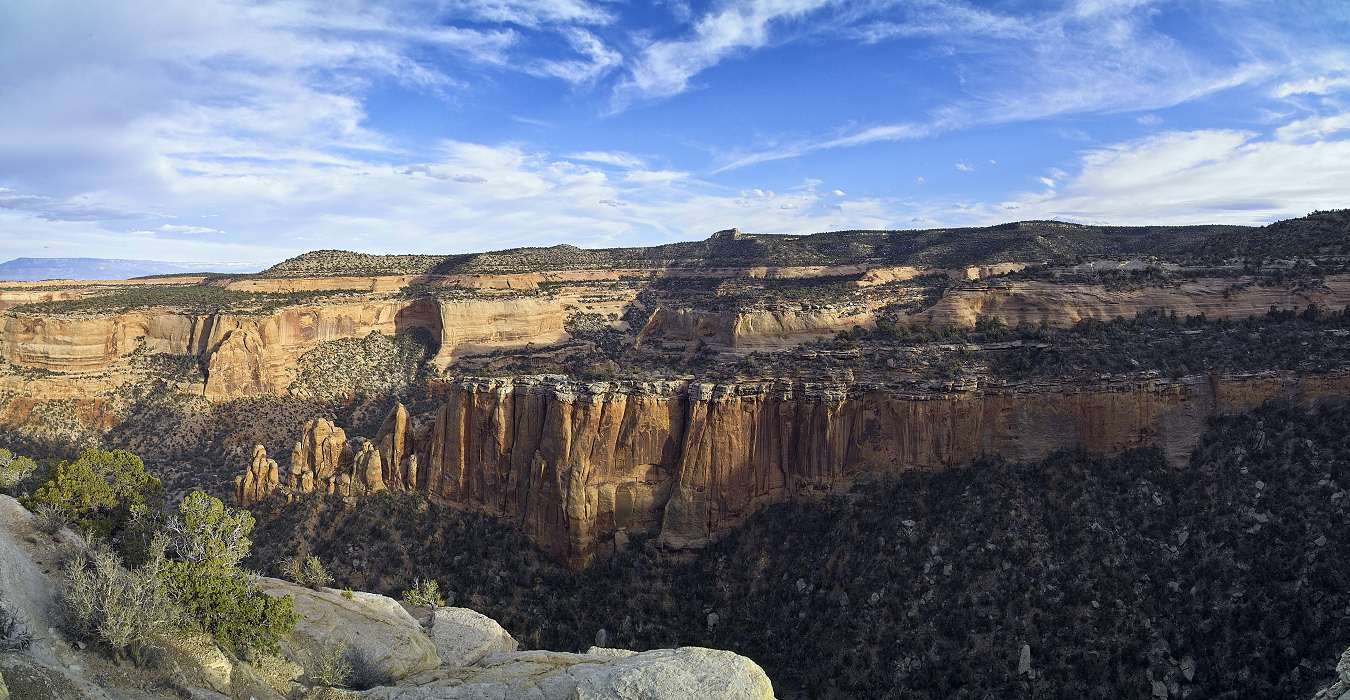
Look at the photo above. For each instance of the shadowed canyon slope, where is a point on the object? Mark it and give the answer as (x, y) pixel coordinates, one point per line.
(591, 395)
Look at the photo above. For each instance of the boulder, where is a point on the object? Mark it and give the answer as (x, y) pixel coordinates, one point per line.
(386, 640)
(686, 673)
(464, 637)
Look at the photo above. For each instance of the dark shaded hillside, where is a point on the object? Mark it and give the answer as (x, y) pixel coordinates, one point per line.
(1123, 577)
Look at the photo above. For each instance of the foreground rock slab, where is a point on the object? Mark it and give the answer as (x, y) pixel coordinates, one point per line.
(686, 673)
(387, 640)
(464, 637)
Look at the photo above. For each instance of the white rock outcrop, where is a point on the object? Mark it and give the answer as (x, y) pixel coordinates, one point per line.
(376, 628)
(464, 637)
(686, 673)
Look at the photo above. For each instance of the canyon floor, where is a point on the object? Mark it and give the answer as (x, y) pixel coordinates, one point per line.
(878, 463)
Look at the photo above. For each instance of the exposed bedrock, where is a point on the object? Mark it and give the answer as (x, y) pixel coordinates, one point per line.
(257, 354)
(577, 464)
(1066, 304)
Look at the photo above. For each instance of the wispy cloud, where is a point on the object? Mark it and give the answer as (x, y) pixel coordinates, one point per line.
(1086, 57)
(596, 60)
(664, 68)
(618, 159)
(1318, 85)
(534, 13)
(1187, 177)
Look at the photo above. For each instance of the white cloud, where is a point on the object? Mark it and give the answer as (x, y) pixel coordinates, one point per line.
(1314, 127)
(1047, 182)
(965, 167)
(597, 59)
(187, 229)
(618, 159)
(665, 68)
(534, 13)
(1088, 57)
(1319, 85)
(1149, 119)
(1188, 177)
(655, 176)
(838, 193)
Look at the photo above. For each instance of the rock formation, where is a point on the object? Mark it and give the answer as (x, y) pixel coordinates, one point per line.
(685, 673)
(398, 450)
(464, 637)
(317, 457)
(577, 464)
(260, 478)
(581, 466)
(367, 471)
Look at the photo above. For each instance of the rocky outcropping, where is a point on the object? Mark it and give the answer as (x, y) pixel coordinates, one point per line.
(579, 464)
(599, 674)
(261, 477)
(317, 457)
(583, 466)
(398, 450)
(381, 634)
(464, 637)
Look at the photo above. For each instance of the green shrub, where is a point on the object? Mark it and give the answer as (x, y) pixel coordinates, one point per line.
(424, 592)
(209, 540)
(205, 531)
(98, 490)
(14, 471)
(224, 602)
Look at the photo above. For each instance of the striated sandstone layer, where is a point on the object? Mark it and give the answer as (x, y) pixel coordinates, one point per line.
(577, 464)
(250, 354)
(1034, 302)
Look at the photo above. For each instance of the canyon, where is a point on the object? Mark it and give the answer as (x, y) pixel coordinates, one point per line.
(594, 396)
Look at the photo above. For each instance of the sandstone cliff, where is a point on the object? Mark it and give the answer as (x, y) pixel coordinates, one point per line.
(580, 466)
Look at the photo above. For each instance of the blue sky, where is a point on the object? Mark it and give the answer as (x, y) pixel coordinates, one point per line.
(240, 132)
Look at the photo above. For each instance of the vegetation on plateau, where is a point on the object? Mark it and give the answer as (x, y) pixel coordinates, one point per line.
(193, 298)
(1316, 235)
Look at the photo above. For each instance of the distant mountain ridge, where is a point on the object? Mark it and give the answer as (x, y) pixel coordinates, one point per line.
(33, 269)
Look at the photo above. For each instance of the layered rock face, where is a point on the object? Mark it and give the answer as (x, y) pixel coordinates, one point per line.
(1066, 304)
(243, 354)
(577, 464)
(583, 466)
